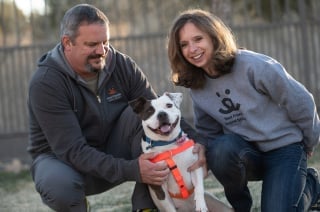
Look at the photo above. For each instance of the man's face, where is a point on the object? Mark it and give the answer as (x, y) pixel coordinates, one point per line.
(87, 53)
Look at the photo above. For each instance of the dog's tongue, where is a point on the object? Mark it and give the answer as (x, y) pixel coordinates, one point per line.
(165, 128)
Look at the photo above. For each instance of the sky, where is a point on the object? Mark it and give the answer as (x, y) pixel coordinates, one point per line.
(25, 5)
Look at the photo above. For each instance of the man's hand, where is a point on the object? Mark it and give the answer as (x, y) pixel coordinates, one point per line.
(201, 151)
(152, 173)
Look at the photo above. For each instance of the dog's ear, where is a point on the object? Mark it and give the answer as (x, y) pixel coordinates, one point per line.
(175, 97)
(138, 104)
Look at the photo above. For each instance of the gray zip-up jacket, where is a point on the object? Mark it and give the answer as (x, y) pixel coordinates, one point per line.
(259, 101)
(71, 121)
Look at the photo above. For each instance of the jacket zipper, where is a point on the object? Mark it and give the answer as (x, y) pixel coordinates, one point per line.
(97, 88)
(98, 98)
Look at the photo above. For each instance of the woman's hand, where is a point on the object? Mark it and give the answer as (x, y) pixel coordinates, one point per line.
(201, 162)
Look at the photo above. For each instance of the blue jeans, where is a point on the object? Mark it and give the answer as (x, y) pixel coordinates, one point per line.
(285, 188)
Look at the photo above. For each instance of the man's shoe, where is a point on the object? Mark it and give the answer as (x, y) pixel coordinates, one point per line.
(313, 173)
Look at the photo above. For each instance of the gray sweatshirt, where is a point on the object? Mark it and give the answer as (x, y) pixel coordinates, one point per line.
(260, 102)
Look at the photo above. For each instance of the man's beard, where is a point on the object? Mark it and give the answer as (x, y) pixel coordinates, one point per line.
(90, 68)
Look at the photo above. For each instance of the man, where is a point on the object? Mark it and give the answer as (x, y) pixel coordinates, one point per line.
(84, 138)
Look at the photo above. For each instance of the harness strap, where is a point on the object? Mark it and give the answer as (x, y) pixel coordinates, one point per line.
(184, 193)
(179, 195)
(167, 156)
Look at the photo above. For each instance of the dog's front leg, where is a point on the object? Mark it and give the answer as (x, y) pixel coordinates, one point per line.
(197, 181)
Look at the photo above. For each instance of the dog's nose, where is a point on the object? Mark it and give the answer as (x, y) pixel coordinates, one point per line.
(162, 115)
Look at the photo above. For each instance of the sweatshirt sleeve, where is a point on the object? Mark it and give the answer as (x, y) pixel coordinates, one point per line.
(293, 97)
(205, 124)
(192, 133)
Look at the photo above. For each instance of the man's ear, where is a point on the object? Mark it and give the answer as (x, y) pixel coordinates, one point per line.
(66, 42)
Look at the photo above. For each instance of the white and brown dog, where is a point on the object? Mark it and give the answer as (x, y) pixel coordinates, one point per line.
(183, 191)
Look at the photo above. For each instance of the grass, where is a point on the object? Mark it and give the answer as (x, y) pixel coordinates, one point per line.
(17, 193)
(12, 182)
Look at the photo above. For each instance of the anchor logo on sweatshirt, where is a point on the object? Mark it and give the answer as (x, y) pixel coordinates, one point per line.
(228, 104)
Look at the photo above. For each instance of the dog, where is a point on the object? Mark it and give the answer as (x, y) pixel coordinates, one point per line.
(183, 190)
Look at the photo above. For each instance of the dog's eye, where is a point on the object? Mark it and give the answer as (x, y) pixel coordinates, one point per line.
(169, 105)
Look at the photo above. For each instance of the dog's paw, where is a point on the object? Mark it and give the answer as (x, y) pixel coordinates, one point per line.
(201, 206)
(202, 209)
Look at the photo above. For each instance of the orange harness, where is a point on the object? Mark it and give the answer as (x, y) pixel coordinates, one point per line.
(167, 156)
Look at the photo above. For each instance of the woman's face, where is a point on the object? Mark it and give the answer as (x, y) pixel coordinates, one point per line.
(196, 46)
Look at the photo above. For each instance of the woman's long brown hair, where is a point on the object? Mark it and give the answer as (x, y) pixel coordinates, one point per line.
(184, 73)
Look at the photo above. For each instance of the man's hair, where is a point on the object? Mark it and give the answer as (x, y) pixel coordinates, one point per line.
(79, 15)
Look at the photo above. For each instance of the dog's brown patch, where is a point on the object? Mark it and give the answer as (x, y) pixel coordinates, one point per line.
(142, 107)
(159, 191)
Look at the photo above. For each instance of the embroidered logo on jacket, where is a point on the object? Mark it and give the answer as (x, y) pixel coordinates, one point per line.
(113, 94)
(112, 91)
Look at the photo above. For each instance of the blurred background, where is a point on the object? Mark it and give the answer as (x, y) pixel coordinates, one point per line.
(288, 30)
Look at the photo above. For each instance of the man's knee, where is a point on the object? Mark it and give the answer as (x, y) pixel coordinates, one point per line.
(60, 201)
(61, 194)
(127, 133)
(130, 119)
(59, 185)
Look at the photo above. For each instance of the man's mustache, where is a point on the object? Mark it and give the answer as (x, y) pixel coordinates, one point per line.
(96, 56)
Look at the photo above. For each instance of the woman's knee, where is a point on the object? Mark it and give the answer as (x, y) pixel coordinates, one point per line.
(226, 152)
(224, 145)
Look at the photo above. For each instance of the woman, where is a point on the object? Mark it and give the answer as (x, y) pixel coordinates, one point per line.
(261, 124)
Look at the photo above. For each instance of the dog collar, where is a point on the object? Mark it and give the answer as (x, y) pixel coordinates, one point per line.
(153, 143)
